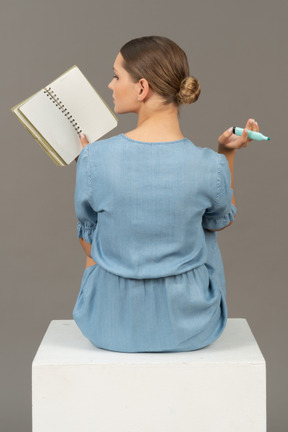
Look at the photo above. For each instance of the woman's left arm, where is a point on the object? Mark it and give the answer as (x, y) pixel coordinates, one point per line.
(228, 143)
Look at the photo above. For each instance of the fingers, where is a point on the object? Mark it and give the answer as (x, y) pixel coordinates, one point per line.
(244, 138)
(223, 138)
(84, 142)
(255, 126)
(250, 125)
(83, 139)
(239, 141)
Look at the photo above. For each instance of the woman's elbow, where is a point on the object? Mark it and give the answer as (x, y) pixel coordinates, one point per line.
(221, 229)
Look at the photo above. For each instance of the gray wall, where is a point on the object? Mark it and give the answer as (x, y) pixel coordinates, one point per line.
(238, 51)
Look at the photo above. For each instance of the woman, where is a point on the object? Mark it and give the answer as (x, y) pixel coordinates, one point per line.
(149, 203)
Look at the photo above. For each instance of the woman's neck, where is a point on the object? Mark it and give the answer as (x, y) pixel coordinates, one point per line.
(157, 124)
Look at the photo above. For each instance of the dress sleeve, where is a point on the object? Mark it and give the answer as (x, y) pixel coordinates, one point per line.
(85, 213)
(222, 211)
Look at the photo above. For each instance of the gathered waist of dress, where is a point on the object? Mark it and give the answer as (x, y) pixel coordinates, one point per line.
(143, 277)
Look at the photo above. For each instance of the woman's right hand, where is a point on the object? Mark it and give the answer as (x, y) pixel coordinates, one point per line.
(229, 141)
(84, 142)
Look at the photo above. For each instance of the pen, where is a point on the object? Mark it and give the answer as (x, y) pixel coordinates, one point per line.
(251, 134)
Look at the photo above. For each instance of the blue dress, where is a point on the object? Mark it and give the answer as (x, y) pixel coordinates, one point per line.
(147, 208)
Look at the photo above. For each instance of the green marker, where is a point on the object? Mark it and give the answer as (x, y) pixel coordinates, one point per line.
(251, 134)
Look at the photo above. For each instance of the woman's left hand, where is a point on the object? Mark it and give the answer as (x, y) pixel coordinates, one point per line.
(84, 142)
(229, 141)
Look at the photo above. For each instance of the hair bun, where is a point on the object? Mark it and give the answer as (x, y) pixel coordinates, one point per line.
(189, 91)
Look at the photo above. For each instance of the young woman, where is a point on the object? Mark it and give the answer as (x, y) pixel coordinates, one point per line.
(148, 204)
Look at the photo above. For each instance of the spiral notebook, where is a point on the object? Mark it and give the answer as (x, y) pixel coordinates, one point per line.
(59, 112)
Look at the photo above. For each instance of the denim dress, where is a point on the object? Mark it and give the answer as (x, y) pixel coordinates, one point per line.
(149, 210)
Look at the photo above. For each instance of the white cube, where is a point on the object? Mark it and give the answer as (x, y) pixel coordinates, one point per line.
(77, 387)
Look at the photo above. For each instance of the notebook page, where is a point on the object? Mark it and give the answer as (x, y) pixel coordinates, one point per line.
(88, 110)
(53, 125)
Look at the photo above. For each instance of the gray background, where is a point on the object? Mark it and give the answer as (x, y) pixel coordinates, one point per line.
(238, 51)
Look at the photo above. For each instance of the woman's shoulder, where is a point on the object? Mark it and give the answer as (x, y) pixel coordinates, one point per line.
(100, 147)
(205, 153)
(105, 141)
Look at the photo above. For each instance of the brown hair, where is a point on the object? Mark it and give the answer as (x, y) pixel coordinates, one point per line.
(164, 65)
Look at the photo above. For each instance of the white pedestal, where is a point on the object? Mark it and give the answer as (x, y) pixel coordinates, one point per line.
(77, 387)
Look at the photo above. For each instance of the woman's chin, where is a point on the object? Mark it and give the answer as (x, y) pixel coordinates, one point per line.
(116, 109)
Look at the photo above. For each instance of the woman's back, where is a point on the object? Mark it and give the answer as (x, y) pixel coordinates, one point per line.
(150, 199)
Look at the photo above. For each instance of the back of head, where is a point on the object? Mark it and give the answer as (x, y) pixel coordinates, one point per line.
(164, 65)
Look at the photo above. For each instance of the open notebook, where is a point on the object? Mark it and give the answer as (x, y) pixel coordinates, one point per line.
(59, 112)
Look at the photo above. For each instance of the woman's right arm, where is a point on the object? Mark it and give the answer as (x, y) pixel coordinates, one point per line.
(85, 245)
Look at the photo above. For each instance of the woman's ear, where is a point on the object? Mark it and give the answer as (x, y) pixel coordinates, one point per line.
(144, 89)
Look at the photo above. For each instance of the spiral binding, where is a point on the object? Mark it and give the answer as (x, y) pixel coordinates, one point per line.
(53, 96)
